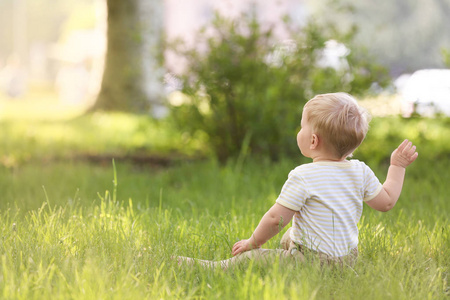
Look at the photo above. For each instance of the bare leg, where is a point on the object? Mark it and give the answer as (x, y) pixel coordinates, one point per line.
(259, 255)
(288, 250)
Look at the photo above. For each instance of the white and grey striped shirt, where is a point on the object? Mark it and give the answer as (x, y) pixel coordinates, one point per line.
(328, 199)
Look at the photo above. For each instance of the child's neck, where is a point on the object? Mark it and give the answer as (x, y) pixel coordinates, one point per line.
(325, 156)
(328, 159)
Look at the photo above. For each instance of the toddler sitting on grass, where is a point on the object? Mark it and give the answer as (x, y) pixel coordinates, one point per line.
(324, 199)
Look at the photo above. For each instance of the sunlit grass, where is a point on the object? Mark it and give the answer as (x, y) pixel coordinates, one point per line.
(83, 244)
(94, 134)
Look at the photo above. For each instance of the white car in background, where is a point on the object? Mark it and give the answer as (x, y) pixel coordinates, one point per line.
(427, 93)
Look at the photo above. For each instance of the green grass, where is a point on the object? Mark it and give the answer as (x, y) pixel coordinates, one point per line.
(97, 134)
(69, 232)
(89, 246)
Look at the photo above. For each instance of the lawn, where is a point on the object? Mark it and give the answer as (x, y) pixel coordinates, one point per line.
(74, 227)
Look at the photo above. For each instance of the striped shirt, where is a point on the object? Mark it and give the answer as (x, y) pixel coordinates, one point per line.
(328, 200)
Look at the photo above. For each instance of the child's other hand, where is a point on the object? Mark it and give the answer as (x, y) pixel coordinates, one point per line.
(242, 246)
(404, 155)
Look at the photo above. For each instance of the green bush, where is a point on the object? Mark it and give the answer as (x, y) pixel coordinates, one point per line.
(246, 91)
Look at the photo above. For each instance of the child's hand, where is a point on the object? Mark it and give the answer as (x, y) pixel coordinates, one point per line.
(242, 246)
(404, 155)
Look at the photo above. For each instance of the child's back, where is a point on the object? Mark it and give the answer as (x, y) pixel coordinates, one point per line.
(328, 200)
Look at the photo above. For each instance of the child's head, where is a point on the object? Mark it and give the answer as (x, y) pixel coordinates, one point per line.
(338, 121)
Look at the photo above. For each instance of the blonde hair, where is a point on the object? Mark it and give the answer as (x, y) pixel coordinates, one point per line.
(339, 121)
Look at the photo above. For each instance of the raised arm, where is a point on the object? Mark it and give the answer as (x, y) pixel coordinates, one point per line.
(402, 157)
(275, 219)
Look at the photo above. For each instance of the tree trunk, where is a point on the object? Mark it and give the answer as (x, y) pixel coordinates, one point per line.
(132, 79)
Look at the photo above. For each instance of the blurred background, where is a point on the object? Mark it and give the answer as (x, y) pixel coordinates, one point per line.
(58, 48)
(229, 77)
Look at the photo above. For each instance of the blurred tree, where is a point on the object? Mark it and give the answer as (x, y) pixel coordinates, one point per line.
(131, 79)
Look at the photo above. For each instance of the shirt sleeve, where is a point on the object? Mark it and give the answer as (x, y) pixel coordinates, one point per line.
(372, 185)
(293, 194)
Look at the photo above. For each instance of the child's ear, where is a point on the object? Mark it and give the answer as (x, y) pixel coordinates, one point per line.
(314, 141)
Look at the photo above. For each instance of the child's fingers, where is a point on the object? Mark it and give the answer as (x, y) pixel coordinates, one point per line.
(236, 251)
(415, 155)
(236, 248)
(402, 146)
(407, 148)
(411, 151)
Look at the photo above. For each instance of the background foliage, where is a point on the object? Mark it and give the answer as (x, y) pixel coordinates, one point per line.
(245, 91)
